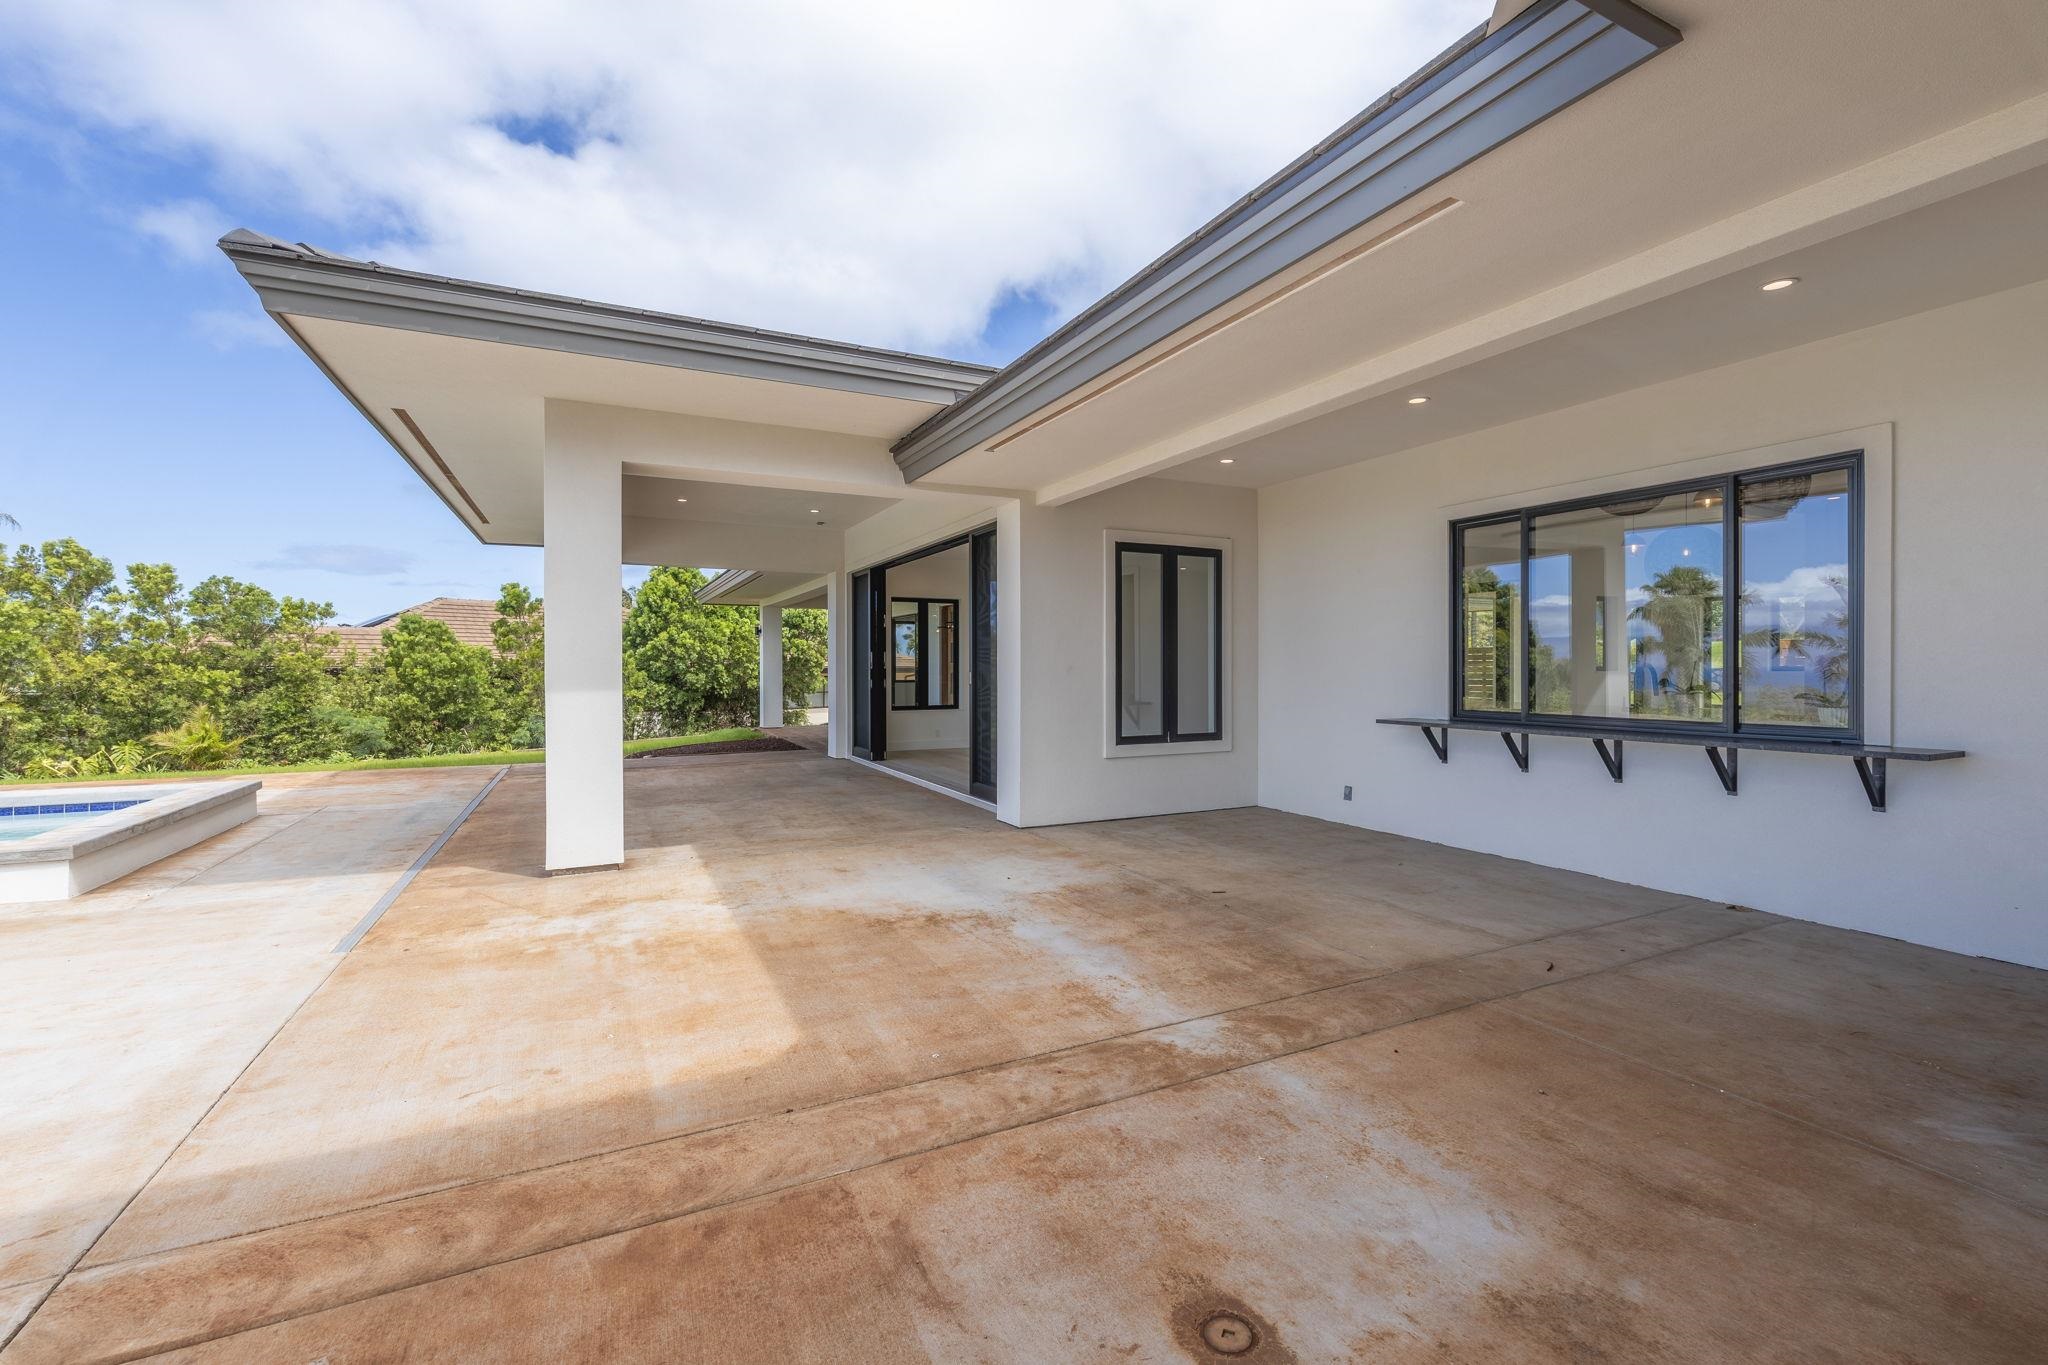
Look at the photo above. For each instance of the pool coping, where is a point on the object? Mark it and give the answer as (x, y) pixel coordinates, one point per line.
(118, 826)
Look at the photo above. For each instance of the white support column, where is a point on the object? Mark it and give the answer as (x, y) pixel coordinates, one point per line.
(586, 774)
(771, 667)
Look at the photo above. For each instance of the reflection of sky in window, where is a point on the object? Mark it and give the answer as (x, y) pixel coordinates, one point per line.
(1650, 551)
(1786, 565)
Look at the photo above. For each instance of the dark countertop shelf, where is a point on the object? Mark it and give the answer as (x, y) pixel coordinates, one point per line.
(1721, 747)
(1718, 739)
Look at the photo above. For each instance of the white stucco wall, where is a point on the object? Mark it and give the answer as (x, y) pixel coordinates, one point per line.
(1353, 626)
(1065, 597)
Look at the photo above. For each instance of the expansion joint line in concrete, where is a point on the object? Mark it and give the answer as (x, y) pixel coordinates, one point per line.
(385, 901)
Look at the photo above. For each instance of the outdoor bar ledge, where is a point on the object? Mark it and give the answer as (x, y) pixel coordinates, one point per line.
(1722, 748)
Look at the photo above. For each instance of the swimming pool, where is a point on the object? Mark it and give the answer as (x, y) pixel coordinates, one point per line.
(22, 821)
(56, 843)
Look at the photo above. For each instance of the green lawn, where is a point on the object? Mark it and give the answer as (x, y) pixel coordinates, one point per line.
(633, 746)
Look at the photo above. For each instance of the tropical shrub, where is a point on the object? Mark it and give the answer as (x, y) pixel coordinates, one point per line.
(198, 743)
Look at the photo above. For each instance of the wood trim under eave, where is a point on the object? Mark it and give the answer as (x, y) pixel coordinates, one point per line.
(414, 427)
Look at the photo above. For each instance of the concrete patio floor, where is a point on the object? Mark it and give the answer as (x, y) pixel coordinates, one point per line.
(840, 1069)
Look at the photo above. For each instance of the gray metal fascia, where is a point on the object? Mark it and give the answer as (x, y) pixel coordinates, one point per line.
(291, 283)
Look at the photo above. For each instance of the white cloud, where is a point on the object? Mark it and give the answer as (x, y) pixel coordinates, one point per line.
(879, 172)
(186, 228)
(1808, 584)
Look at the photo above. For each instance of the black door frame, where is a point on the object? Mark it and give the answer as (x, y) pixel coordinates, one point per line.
(981, 651)
(870, 735)
(871, 611)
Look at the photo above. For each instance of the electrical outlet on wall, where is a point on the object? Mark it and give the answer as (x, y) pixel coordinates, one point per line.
(1347, 793)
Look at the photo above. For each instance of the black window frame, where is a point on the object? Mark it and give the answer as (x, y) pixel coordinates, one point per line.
(1731, 723)
(1169, 642)
(924, 634)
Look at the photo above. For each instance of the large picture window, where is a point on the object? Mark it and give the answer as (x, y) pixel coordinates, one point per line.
(1169, 643)
(924, 647)
(1619, 610)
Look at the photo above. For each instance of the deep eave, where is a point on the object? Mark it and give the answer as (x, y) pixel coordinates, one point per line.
(303, 281)
(1486, 89)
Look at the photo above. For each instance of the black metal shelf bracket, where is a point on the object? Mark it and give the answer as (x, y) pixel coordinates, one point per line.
(1723, 749)
(1440, 740)
(1723, 760)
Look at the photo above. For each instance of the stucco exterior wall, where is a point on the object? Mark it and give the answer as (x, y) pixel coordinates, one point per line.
(1065, 602)
(1354, 626)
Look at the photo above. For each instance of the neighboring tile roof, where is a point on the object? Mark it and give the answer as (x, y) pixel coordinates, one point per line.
(467, 618)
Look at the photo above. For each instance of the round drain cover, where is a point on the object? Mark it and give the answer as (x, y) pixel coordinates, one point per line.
(1227, 1334)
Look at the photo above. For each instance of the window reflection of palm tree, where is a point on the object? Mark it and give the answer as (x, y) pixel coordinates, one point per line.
(1684, 606)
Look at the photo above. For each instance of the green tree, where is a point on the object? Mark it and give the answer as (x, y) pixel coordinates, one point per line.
(690, 665)
(518, 668)
(434, 691)
(804, 643)
(1684, 605)
(271, 673)
(62, 625)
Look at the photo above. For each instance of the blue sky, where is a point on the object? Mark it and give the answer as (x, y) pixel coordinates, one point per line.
(850, 177)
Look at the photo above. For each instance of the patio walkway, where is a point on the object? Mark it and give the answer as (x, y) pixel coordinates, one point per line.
(839, 1069)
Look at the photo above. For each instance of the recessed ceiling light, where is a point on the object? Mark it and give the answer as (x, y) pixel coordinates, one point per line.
(682, 499)
(1226, 460)
(1418, 400)
(814, 511)
(1773, 286)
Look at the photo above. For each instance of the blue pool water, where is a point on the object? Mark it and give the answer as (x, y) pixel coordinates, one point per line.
(21, 822)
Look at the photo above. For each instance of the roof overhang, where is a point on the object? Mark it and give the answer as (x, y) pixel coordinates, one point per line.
(1768, 131)
(764, 588)
(458, 376)
(301, 281)
(1483, 92)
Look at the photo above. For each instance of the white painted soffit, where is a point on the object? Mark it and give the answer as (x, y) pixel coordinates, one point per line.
(2005, 150)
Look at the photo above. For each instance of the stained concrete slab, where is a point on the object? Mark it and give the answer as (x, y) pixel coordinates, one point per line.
(192, 1293)
(712, 980)
(1464, 1188)
(17, 1301)
(129, 1010)
(907, 1084)
(1937, 1058)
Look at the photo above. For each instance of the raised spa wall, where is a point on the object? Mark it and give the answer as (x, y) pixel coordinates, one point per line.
(67, 862)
